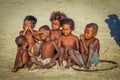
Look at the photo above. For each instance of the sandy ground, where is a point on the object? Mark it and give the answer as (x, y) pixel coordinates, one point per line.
(12, 13)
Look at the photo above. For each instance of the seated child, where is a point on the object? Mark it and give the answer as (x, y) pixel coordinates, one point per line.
(28, 26)
(48, 46)
(22, 56)
(89, 46)
(68, 43)
(56, 18)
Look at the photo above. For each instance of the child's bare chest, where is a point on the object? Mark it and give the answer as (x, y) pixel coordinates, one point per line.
(89, 42)
(68, 42)
(47, 45)
(55, 34)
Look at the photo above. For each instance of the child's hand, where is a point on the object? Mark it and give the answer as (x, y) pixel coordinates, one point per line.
(30, 29)
(82, 37)
(25, 28)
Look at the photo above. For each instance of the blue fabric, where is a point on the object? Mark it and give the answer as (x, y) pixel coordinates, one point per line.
(95, 59)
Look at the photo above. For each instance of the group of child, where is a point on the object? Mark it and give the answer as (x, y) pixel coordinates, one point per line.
(46, 47)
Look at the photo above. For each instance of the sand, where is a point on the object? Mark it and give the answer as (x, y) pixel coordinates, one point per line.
(12, 13)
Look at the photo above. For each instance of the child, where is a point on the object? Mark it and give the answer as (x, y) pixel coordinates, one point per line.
(28, 26)
(89, 46)
(56, 18)
(48, 47)
(22, 56)
(68, 43)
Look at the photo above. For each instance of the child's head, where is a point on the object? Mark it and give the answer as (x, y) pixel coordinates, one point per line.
(44, 31)
(67, 26)
(56, 18)
(21, 40)
(91, 30)
(30, 21)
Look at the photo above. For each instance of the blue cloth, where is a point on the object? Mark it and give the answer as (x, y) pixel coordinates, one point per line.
(95, 59)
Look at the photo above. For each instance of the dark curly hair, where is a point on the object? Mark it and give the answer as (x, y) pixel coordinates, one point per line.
(68, 21)
(32, 19)
(20, 40)
(46, 27)
(57, 15)
(93, 25)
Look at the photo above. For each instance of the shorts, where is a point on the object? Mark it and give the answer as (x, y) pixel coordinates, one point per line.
(44, 61)
(95, 58)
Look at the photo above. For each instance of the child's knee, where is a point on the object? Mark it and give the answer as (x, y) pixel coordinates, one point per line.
(91, 46)
(71, 52)
(61, 50)
(33, 59)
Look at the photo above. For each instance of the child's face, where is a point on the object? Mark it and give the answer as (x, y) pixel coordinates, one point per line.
(66, 29)
(43, 34)
(89, 33)
(55, 24)
(28, 25)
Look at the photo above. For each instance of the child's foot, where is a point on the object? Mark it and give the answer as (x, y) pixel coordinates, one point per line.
(31, 68)
(80, 65)
(67, 66)
(14, 70)
(87, 66)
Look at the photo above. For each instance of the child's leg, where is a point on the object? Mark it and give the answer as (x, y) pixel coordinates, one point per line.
(68, 62)
(83, 54)
(74, 57)
(61, 57)
(25, 59)
(50, 64)
(36, 49)
(18, 62)
(91, 52)
(35, 61)
(15, 68)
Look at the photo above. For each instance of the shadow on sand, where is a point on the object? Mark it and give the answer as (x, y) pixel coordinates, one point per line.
(114, 25)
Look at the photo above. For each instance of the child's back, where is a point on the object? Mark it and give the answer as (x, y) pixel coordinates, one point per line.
(22, 56)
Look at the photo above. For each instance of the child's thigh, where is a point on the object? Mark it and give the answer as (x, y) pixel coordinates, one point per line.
(25, 58)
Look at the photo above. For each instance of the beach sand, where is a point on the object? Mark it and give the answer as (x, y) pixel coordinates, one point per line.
(12, 13)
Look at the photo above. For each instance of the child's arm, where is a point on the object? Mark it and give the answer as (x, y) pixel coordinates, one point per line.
(77, 44)
(59, 42)
(19, 55)
(24, 31)
(84, 44)
(36, 36)
(82, 51)
(57, 49)
(96, 45)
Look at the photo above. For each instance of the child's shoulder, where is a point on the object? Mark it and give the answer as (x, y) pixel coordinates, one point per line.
(74, 36)
(34, 30)
(95, 40)
(21, 50)
(56, 31)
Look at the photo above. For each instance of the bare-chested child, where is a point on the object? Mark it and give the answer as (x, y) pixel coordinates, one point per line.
(56, 18)
(68, 43)
(28, 26)
(22, 56)
(89, 45)
(48, 46)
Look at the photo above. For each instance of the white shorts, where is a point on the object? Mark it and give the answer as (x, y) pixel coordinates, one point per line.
(44, 61)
